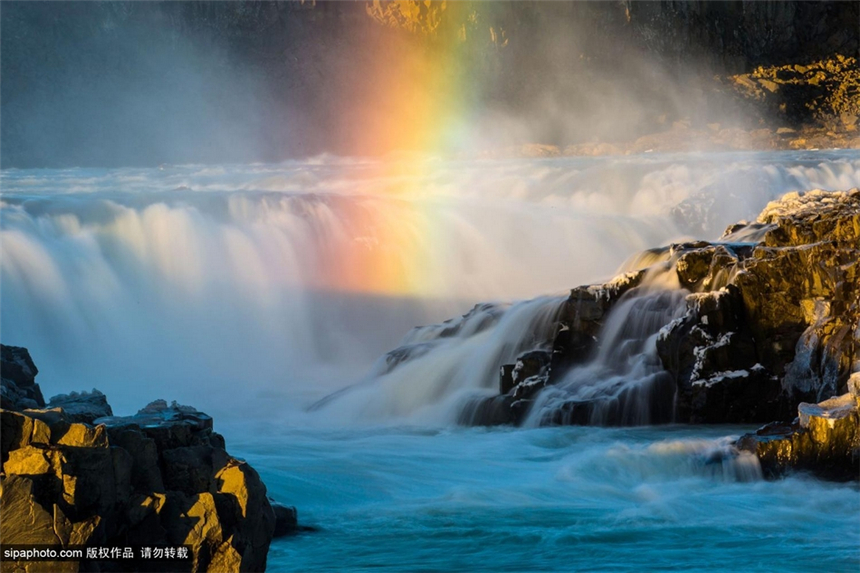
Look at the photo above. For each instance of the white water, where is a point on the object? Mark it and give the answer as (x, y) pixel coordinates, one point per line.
(192, 282)
(625, 380)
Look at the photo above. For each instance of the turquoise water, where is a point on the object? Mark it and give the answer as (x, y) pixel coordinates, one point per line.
(551, 499)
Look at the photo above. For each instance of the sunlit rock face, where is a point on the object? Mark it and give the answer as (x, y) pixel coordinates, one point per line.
(822, 89)
(824, 439)
(159, 478)
(736, 331)
(782, 325)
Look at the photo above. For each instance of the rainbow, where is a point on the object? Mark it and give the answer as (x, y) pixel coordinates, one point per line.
(414, 103)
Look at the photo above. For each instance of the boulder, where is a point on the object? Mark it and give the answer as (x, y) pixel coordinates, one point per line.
(582, 317)
(256, 525)
(781, 331)
(286, 518)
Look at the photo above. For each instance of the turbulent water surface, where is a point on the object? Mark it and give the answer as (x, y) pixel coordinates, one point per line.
(288, 293)
(549, 499)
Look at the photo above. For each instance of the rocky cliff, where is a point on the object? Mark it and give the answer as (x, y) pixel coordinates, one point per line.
(75, 475)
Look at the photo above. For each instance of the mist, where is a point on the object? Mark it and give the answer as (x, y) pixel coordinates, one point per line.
(141, 84)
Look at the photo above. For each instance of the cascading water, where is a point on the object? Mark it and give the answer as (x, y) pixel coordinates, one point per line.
(625, 383)
(288, 280)
(439, 366)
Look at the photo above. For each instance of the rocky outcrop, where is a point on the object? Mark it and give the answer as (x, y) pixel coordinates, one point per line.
(824, 440)
(159, 478)
(770, 320)
(774, 322)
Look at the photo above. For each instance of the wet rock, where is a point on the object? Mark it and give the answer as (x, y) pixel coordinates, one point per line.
(711, 354)
(286, 518)
(821, 361)
(528, 374)
(256, 525)
(506, 378)
(825, 440)
(530, 364)
(487, 411)
(582, 317)
(622, 408)
(771, 321)
(735, 396)
(694, 265)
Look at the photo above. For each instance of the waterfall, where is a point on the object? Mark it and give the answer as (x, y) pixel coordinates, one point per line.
(281, 284)
(624, 383)
(437, 367)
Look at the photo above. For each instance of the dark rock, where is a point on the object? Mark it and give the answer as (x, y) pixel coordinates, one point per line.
(256, 527)
(735, 397)
(582, 317)
(82, 407)
(790, 308)
(529, 374)
(18, 388)
(529, 364)
(192, 469)
(506, 378)
(648, 402)
(771, 321)
(145, 473)
(820, 361)
(19, 431)
(170, 427)
(26, 521)
(18, 367)
(286, 518)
